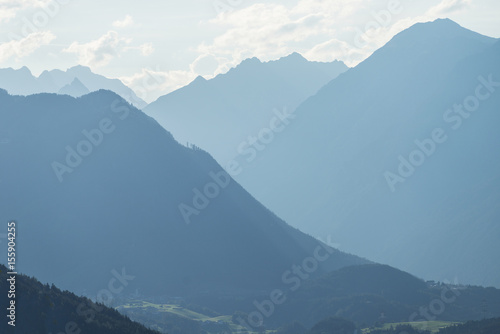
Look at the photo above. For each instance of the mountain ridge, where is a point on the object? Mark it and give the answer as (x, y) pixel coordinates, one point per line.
(54, 80)
(366, 118)
(233, 105)
(136, 175)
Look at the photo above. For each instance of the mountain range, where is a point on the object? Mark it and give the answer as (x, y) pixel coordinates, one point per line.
(394, 160)
(76, 81)
(382, 160)
(219, 114)
(96, 186)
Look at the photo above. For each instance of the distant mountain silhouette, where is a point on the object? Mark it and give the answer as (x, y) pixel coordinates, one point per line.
(96, 186)
(333, 171)
(367, 295)
(22, 82)
(362, 293)
(219, 114)
(75, 89)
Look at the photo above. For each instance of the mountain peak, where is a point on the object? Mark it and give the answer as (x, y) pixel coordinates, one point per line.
(295, 56)
(436, 29)
(79, 69)
(25, 70)
(199, 78)
(76, 88)
(197, 81)
(248, 61)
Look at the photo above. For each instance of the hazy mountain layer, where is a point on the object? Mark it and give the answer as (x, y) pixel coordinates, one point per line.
(220, 114)
(397, 158)
(96, 186)
(22, 82)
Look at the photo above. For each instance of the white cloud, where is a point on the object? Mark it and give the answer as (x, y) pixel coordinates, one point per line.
(334, 49)
(447, 7)
(146, 49)
(314, 28)
(10, 8)
(347, 30)
(126, 22)
(150, 84)
(25, 46)
(100, 51)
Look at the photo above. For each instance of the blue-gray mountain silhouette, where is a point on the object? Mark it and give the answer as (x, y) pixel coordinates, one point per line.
(118, 204)
(327, 173)
(219, 114)
(22, 82)
(75, 89)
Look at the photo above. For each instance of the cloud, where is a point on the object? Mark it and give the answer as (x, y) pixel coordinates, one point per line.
(447, 7)
(126, 22)
(347, 30)
(10, 8)
(146, 49)
(150, 84)
(25, 46)
(101, 51)
(335, 49)
(262, 29)
(314, 28)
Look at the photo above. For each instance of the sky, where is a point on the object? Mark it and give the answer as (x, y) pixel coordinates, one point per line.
(156, 46)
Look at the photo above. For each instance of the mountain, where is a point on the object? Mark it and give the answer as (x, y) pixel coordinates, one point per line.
(363, 294)
(368, 295)
(23, 82)
(382, 162)
(42, 309)
(219, 114)
(99, 189)
(75, 89)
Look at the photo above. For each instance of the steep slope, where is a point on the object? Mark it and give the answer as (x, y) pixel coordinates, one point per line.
(329, 172)
(95, 186)
(219, 114)
(22, 82)
(41, 309)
